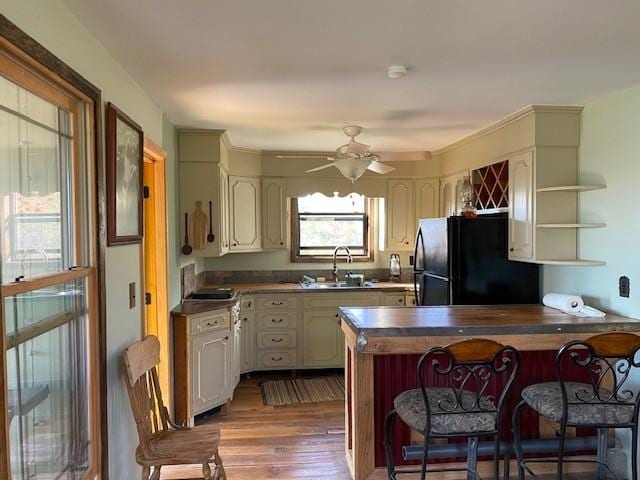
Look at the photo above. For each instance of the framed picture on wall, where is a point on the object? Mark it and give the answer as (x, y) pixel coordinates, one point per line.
(125, 141)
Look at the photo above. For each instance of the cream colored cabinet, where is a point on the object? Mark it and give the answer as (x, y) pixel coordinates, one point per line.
(427, 198)
(521, 196)
(274, 214)
(244, 221)
(223, 201)
(323, 341)
(410, 300)
(212, 376)
(205, 182)
(237, 349)
(450, 198)
(400, 215)
(247, 342)
(394, 300)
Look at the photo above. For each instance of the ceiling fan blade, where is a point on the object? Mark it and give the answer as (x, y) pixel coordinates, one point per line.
(404, 156)
(380, 167)
(317, 169)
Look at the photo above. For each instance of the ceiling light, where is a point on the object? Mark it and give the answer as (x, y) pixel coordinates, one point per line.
(396, 71)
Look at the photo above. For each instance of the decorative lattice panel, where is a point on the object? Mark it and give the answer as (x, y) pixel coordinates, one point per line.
(491, 186)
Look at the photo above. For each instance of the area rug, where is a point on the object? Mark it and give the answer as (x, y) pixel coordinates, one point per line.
(280, 393)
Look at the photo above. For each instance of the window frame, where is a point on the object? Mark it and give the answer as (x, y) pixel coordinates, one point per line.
(27, 63)
(369, 246)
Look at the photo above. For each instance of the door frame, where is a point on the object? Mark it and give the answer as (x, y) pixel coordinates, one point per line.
(154, 154)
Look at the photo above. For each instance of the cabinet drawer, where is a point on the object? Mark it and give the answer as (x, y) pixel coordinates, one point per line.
(276, 302)
(394, 300)
(247, 304)
(276, 339)
(277, 359)
(209, 321)
(279, 320)
(328, 300)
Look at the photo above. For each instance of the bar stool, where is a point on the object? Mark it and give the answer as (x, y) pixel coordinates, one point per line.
(460, 410)
(607, 401)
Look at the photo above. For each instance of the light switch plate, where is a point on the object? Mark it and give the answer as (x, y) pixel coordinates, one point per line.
(132, 295)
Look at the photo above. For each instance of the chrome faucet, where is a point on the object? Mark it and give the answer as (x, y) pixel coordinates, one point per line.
(335, 262)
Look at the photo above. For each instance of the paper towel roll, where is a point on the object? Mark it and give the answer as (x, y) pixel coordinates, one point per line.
(566, 303)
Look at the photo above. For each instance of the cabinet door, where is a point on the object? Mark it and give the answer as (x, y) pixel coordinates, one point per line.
(247, 342)
(521, 206)
(211, 370)
(245, 232)
(400, 219)
(274, 214)
(224, 211)
(323, 341)
(427, 198)
(450, 198)
(237, 353)
(202, 182)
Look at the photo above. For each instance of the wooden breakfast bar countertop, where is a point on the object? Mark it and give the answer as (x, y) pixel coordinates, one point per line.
(374, 331)
(413, 330)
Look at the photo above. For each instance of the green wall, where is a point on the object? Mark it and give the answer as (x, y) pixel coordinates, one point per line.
(52, 24)
(609, 154)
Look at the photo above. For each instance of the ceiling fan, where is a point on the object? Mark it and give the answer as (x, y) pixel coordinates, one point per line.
(354, 158)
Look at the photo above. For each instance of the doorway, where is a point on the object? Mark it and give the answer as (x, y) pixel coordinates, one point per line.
(156, 315)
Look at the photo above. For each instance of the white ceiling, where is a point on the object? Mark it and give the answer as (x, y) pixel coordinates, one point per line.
(288, 74)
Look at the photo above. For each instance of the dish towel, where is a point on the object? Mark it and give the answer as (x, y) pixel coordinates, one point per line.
(571, 304)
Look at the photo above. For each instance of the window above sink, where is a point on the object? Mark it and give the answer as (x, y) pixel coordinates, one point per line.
(320, 223)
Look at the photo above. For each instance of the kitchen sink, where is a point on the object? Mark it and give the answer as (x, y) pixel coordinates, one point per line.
(331, 285)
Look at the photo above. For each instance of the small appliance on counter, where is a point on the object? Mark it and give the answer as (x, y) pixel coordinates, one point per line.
(211, 295)
(394, 267)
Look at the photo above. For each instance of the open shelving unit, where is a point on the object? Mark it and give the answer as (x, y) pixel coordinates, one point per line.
(556, 221)
(572, 188)
(571, 225)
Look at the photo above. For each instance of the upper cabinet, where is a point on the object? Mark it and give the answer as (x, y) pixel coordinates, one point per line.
(450, 199)
(401, 221)
(206, 184)
(244, 220)
(427, 198)
(543, 210)
(521, 207)
(274, 214)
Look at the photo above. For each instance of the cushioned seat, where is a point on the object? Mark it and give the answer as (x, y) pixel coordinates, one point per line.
(546, 399)
(411, 409)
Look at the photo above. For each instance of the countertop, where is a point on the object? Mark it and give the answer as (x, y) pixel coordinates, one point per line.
(371, 324)
(192, 308)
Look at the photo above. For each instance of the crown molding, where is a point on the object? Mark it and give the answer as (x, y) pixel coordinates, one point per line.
(508, 120)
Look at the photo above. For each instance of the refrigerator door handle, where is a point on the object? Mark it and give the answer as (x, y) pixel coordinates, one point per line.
(415, 253)
(416, 290)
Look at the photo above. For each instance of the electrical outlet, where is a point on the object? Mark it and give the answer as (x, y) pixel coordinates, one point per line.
(624, 287)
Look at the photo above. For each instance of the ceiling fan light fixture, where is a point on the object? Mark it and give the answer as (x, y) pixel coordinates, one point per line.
(352, 168)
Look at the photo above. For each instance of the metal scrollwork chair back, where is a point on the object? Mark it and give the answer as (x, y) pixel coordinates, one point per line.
(462, 392)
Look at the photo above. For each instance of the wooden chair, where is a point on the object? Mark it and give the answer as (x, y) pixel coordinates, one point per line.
(161, 441)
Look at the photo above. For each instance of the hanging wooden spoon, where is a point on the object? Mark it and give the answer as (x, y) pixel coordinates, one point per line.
(210, 237)
(186, 248)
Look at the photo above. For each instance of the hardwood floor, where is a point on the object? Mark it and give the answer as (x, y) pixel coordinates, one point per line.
(299, 442)
(262, 443)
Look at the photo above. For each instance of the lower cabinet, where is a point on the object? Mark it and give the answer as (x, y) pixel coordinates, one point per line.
(237, 352)
(323, 341)
(212, 376)
(247, 342)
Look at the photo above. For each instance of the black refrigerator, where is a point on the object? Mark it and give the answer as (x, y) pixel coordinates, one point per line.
(463, 261)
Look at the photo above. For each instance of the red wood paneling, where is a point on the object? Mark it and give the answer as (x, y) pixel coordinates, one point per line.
(394, 374)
